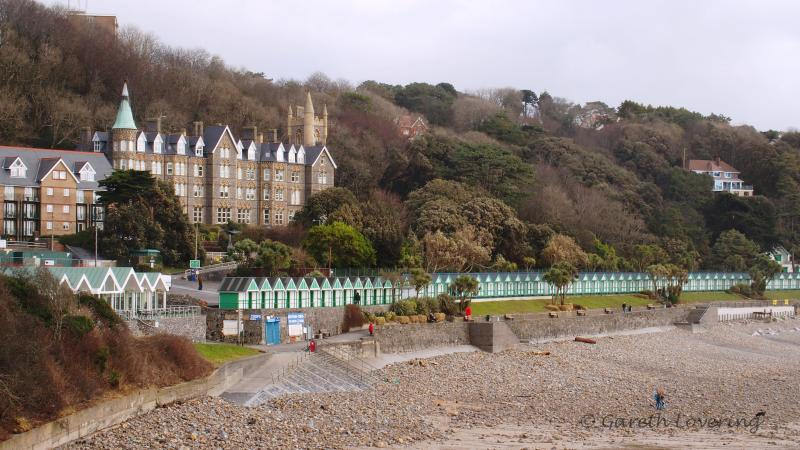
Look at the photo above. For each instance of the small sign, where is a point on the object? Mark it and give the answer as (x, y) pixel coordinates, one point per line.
(296, 318)
(774, 302)
(49, 262)
(3, 243)
(295, 330)
(194, 263)
(255, 316)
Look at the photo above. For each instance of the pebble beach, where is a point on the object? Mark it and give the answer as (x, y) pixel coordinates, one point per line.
(733, 386)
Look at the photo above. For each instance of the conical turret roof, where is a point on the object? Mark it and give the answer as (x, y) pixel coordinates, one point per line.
(124, 119)
(309, 105)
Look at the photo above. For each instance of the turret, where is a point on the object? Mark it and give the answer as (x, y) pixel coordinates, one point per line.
(123, 133)
(308, 122)
(325, 124)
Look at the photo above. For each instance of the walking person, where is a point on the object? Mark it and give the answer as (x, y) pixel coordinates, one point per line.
(199, 282)
(660, 399)
(371, 329)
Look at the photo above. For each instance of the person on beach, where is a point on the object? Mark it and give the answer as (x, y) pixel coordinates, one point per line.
(659, 397)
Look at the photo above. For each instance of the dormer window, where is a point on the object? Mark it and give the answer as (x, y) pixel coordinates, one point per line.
(87, 173)
(157, 147)
(98, 146)
(198, 150)
(18, 169)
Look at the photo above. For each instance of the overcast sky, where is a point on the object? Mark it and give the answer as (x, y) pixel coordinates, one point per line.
(731, 57)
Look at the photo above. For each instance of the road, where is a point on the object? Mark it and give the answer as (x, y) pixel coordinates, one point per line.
(209, 294)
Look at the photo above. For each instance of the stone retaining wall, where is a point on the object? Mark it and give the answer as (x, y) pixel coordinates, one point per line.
(329, 319)
(118, 410)
(193, 328)
(551, 328)
(397, 338)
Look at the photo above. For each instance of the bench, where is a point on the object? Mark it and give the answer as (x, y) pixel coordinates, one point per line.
(580, 312)
(651, 306)
(762, 314)
(608, 311)
(553, 314)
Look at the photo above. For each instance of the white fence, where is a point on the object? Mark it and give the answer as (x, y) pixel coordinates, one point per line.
(161, 313)
(726, 314)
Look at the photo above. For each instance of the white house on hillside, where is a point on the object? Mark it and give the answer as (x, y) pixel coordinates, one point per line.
(726, 178)
(782, 257)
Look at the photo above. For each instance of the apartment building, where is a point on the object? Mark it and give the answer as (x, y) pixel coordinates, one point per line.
(221, 177)
(50, 192)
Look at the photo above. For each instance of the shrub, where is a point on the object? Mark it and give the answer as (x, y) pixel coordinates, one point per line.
(439, 317)
(551, 307)
(427, 305)
(380, 321)
(353, 318)
(447, 304)
(404, 307)
(78, 325)
(741, 289)
(403, 319)
(100, 308)
(390, 316)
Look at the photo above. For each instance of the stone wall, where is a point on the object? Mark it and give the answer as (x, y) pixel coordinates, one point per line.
(539, 329)
(112, 412)
(328, 319)
(193, 328)
(397, 338)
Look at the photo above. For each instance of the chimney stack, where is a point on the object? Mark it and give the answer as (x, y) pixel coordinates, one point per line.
(86, 139)
(183, 131)
(198, 128)
(153, 125)
(260, 139)
(716, 159)
(274, 135)
(250, 132)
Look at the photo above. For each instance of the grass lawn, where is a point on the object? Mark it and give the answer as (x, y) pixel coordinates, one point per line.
(533, 306)
(715, 296)
(604, 301)
(781, 295)
(219, 354)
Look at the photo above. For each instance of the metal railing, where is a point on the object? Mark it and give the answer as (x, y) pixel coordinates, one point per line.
(345, 360)
(161, 313)
(230, 265)
(752, 315)
(287, 370)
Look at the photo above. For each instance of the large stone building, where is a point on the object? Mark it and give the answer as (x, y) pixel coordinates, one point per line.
(220, 177)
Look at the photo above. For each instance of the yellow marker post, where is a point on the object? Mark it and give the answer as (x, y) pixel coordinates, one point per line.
(774, 303)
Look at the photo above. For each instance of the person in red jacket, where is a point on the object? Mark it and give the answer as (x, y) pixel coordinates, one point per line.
(468, 313)
(371, 329)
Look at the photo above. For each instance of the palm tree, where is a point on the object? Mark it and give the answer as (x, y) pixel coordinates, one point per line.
(561, 275)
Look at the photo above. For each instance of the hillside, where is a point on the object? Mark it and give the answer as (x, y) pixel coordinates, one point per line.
(501, 171)
(61, 352)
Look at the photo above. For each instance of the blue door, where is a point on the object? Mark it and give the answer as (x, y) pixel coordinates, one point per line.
(273, 331)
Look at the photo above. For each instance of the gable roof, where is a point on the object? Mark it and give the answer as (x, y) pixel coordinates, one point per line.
(313, 153)
(31, 157)
(711, 165)
(212, 134)
(46, 165)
